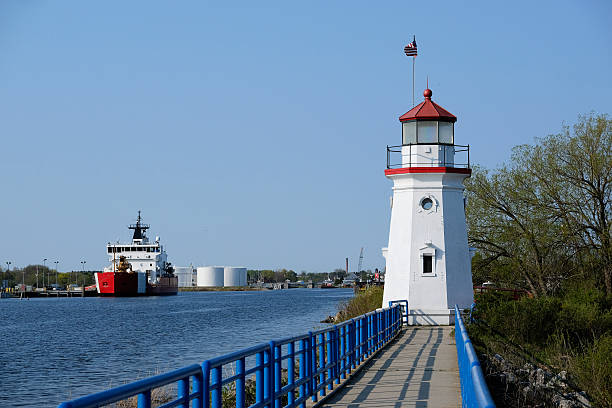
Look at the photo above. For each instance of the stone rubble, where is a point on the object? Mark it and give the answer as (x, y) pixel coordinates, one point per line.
(538, 386)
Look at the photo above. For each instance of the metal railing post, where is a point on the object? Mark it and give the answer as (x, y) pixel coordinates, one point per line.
(330, 359)
(206, 384)
(322, 363)
(359, 341)
(364, 329)
(347, 348)
(198, 387)
(368, 330)
(240, 383)
(341, 356)
(144, 399)
(216, 387)
(380, 329)
(312, 362)
(336, 354)
(383, 317)
(259, 377)
(388, 156)
(182, 391)
(388, 324)
(291, 372)
(349, 331)
(277, 373)
(353, 343)
(375, 329)
(267, 380)
(303, 372)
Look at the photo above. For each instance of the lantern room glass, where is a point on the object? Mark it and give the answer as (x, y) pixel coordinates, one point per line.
(409, 135)
(428, 132)
(445, 132)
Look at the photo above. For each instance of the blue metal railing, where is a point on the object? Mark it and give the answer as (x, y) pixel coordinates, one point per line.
(474, 390)
(322, 358)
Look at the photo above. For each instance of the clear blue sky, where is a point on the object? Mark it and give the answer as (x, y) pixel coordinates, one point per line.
(254, 134)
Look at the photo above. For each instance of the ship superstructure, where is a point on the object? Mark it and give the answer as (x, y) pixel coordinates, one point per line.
(138, 268)
(142, 255)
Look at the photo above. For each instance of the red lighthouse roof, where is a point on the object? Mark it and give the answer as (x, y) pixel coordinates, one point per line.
(428, 110)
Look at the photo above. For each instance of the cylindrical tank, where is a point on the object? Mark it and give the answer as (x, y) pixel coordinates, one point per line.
(184, 275)
(210, 276)
(234, 276)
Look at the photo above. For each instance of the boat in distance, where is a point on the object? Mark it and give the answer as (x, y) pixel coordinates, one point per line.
(137, 269)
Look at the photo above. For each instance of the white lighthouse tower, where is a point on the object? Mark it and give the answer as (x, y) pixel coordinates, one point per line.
(427, 258)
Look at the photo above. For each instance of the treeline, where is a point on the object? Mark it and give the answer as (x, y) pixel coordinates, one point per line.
(271, 276)
(542, 223)
(43, 276)
(282, 275)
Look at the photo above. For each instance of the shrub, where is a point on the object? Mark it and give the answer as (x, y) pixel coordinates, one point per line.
(526, 320)
(364, 302)
(584, 316)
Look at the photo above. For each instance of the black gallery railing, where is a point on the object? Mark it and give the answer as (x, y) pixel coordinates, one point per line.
(449, 155)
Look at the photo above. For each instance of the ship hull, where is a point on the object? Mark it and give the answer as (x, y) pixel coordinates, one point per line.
(121, 284)
(117, 284)
(167, 286)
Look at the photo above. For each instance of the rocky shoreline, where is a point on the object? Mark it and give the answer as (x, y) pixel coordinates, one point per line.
(530, 385)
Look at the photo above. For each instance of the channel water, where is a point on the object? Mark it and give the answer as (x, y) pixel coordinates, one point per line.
(53, 350)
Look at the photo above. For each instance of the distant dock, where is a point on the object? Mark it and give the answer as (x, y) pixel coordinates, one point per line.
(48, 294)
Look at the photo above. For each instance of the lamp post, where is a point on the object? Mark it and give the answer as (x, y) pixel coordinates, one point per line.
(56, 272)
(45, 267)
(83, 277)
(36, 277)
(8, 268)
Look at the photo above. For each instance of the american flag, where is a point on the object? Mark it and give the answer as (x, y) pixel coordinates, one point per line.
(411, 49)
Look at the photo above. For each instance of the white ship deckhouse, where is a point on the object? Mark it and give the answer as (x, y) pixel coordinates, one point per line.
(142, 255)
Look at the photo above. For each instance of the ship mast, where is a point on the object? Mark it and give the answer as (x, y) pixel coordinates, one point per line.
(140, 230)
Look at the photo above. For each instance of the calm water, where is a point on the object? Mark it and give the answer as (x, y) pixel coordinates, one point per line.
(56, 349)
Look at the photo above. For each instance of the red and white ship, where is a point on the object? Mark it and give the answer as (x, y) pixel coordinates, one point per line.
(137, 269)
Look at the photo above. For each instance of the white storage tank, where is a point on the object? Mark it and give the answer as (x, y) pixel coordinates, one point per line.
(210, 276)
(184, 275)
(234, 276)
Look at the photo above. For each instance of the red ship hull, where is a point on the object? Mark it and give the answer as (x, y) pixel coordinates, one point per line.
(120, 284)
(117, 283)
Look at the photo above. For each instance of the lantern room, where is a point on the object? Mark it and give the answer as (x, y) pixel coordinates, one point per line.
(428, 123)
(428, 138)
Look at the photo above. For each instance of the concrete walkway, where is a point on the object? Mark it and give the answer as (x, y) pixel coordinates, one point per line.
(419, 369)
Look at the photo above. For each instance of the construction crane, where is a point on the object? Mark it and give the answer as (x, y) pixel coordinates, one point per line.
(360, 261)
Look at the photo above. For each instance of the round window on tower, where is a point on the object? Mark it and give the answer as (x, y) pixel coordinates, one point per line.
(427, 203)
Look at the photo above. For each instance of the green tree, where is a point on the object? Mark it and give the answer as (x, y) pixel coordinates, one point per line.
(573, 173)
(509, 227)
(546, 216)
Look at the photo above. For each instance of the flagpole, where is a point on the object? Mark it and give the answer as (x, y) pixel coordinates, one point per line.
(411, 51)
(413, 58)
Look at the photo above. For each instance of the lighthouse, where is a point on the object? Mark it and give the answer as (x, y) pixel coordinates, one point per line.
(428, 263)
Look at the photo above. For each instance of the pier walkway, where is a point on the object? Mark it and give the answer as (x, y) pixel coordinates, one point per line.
(419, 369)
